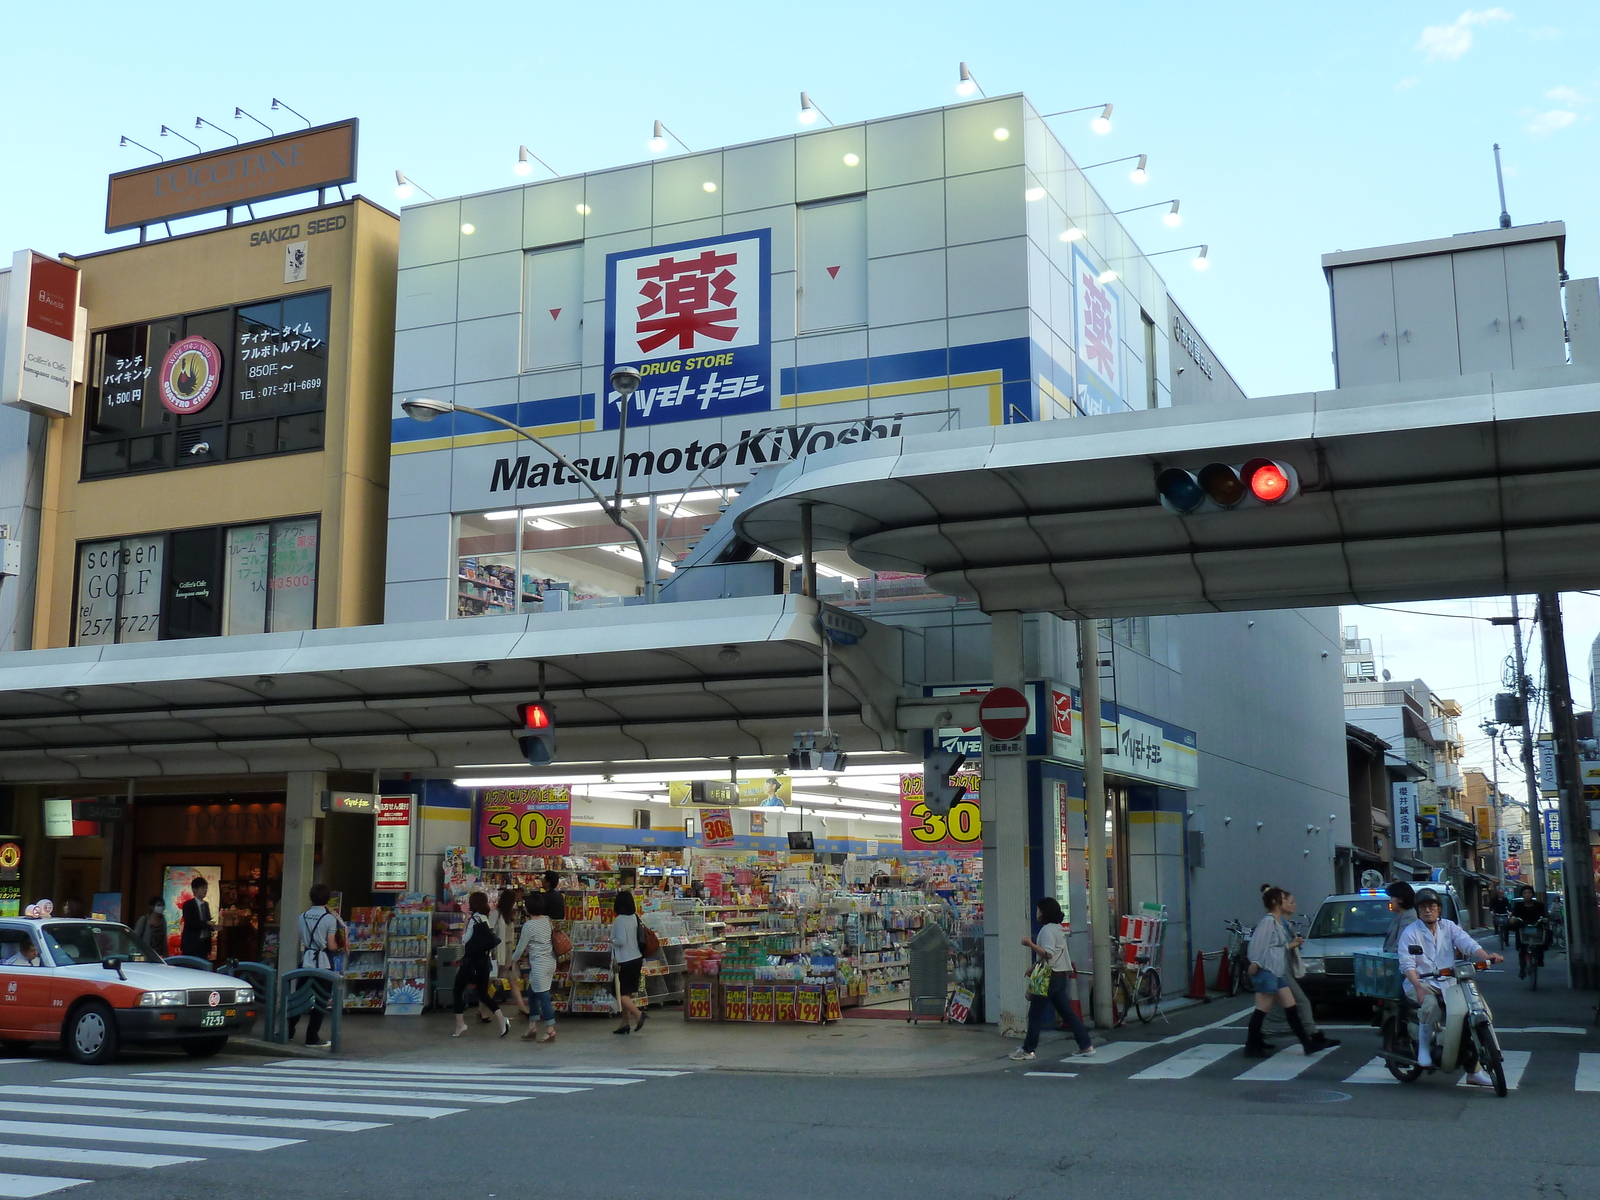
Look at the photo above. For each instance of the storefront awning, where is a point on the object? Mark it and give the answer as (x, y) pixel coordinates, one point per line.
(705, 679)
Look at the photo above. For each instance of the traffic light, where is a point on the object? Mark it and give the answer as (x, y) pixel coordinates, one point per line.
(815, 751)
(537, 736)
(938, 793)
(1218, 486)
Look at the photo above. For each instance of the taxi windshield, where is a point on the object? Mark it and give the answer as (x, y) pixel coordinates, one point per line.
(75, 942)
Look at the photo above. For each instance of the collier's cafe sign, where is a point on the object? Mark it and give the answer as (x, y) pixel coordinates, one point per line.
(42, 337)
(202, 183)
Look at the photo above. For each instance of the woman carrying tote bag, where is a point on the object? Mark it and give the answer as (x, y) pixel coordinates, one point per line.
(478, 942)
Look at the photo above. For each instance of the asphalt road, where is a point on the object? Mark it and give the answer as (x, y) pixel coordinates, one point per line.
(1044, 1128)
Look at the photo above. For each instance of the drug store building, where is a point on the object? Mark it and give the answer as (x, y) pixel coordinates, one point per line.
(784, 301)
(218, 474)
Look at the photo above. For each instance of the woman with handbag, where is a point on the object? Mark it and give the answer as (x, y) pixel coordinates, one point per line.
(627, 961)
(1048, 982)
(1270, 947)
(478, 942)
(1276, 1025)
(537, 943)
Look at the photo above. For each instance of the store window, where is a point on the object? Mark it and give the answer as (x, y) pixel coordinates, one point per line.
(208, 387)
(198, 583)
(567, 556)
(1132, 632)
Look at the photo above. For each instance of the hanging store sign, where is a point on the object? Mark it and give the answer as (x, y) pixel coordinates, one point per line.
(1548, 779)
(1405, 815)
(10, 877)
(210, 182)
(391, 848)
(526, 820)
(42, 336)
(774, 791)
(960, 832)
(696, 319)
(1552, 833)
(716, 828)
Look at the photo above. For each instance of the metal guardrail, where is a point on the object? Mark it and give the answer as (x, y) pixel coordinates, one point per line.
(190, 961)
(295, 1001)
(265, 980)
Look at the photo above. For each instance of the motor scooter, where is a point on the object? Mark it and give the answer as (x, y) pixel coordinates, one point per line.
(1478, 1045)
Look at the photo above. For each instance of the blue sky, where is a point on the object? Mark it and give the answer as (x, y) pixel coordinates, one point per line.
(1287, 130)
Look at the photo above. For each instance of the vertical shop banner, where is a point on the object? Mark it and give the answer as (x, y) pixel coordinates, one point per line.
(526, 820)
(716, 828)
(391, 847)
(696, 319)
(1099, 336)
(1405, 816)
(1548, 785)
(959, 833)
(10, 877)
(1553, 851)
(41, 342)
(177, 889)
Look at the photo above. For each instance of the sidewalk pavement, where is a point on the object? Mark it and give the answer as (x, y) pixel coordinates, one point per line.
(846, 1047)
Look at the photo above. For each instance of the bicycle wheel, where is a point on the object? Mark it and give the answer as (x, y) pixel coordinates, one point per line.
(1121, 1001)
(1147, 995)
(1241, 972)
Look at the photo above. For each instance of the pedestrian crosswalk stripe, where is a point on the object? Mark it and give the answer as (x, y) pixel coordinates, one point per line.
(92, 1158)
(23, 1186)
(271, 1089)
(1285, 1064)
(253, 1103)
(1373, 1072)
(195, 1118)
(1111, 1053)
(109, 1133)
(364, 1079)
(1187, 1062)
(452, 1071)
(1053, 1074)
(1588, 1078)
(1515, 1063)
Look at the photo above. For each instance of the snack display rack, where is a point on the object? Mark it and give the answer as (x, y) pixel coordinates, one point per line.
(365, 969)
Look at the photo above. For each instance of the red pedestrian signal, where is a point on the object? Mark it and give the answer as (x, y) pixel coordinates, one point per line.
(537, 736)
(1222, 486)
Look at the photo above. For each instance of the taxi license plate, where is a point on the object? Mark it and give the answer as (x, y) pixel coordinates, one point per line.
(211, 1019)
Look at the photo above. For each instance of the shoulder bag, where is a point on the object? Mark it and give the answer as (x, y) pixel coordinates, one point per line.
(560, 943)
(649, 943)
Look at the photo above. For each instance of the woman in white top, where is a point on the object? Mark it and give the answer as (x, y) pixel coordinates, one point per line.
(535, 943)
(503, 921)
(627, 961)
(1051, 947)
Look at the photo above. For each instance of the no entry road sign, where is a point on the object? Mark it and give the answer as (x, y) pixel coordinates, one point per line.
(1003, 713)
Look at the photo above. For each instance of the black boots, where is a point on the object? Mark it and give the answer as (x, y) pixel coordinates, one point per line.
(1297, 1027)
(1254, 1045)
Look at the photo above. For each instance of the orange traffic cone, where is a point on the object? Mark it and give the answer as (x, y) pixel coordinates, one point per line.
(1224, 974)
(1197, 983)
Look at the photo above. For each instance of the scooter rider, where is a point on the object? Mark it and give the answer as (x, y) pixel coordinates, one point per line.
(1428, 945)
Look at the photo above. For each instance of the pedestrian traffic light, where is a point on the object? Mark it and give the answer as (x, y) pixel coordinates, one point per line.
(1220, 486)
(938, 793)
(537, 737)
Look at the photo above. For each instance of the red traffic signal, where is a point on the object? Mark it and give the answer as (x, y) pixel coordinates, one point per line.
(538, 734)
(1220, 486)
(534, 716)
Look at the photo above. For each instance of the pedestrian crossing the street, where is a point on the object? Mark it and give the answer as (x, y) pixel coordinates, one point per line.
(1353, 1062)
(61, 1133)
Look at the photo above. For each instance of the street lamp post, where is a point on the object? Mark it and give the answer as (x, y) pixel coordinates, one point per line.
(625, 381)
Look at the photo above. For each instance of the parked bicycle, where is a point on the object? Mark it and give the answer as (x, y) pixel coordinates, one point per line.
(1137, 985)
(1238, 952)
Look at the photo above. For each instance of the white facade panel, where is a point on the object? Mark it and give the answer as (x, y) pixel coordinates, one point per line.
(553, 308)
(495, 219)
(984, 206)
(682, 192)
(906, 288)
(1483, 325)
(552, 212)
(490, 286)
(1425, 317)
(430, 233)
(830, 163)
(988, 276)
(488, 349)
(906, 218)
(424, 358)
(617, 201)
(1533, 295)
(833, 265)
(1363, 325)
(425, 296)
(905, 150)
(758, 176)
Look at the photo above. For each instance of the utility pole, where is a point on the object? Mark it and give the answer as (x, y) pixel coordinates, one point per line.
(1094, 793)
(1535, 835)
(1493, 731)
(1577, 874)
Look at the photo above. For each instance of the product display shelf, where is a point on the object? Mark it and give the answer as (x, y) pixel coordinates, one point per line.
(365, 969)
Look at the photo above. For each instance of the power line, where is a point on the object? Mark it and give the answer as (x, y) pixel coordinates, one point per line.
(1417, 612)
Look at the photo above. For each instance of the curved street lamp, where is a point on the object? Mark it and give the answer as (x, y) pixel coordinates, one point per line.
(624, 381)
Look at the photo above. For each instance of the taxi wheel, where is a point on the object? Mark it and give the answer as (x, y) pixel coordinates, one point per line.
(91, 1034)
(204, 1047)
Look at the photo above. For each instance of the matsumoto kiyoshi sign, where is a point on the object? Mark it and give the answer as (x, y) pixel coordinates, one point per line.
(696, 319)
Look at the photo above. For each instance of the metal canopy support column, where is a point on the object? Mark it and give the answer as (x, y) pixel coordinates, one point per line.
(301, 805)
(1094, 794)
(1006, 902)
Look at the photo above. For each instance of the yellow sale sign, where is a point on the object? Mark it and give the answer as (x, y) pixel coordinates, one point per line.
(958, 832)
(526, 820)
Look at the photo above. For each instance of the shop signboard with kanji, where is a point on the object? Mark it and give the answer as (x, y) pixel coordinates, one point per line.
(959, 832)
(695, 319)
(1099, 335)
(526, 820)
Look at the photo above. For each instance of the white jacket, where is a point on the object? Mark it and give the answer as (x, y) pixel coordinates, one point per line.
(1425, 952)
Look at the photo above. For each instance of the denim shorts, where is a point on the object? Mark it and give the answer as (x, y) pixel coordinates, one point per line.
(1267, 983)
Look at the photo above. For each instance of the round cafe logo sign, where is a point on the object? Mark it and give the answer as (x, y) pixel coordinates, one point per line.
(190, 374)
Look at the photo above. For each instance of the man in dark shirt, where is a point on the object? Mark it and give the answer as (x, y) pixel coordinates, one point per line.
(197, 924)
(1501, 907)
(555, 902)
(1528, 912)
